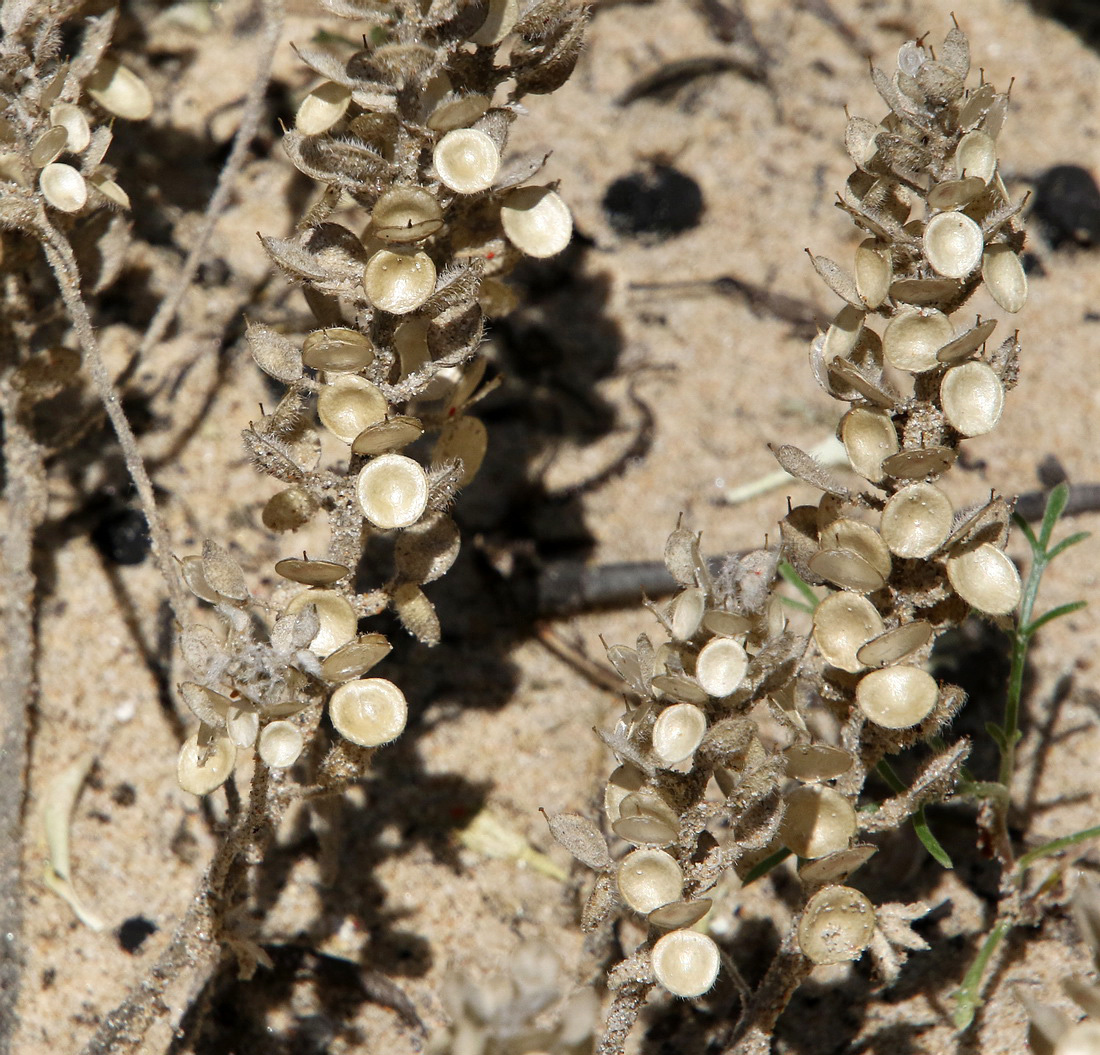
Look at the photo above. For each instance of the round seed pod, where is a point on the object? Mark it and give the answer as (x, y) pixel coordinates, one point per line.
(843, 333)
(466, 160)
(322, 108)
(923, 290)
(966, 343)
(953, 244)
(873, 272)
(1004, 277)
(119, 91)
(337, 350)
(645, 819)
(686, 962)
(399, 282)
(649, 879)
(721, 667)
(458, 112)
(848, 570)
(897, 697)
(355, 658)
(869, 437)
(48, 146)
(679, 914)
(685, 614)
(895, 644)
(369, 712)
(289, 509)
(389, 435)
(678, 731)
(726, 624)
(815, 762)
(836, 925)
(280, 744)
(1081, 1038)
(392, 491)
(335, 614)
(348, 404)
(536, 221)
(498, 22)
(625, 780)
(200, 778)
(818, 821)
(843, 623)
(677, 687)
(972, 397)
(913, 337)
(63, 187)
(243, 727)
(954, 193)
(835, 868)
(466, 439)
(986, 579)
(406, 214)
(311, 572)
(919, 464)
(976, 156)
(191, 569)
(916, 520)
(976, 105)
(857, 537)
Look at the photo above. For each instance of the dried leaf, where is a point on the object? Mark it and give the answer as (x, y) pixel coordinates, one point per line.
(581, 838)
(222, 572)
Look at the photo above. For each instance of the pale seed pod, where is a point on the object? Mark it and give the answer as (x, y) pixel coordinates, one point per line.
(426, 551)
(289, 509)
(873, 272)
(349, 404)
(986, 579)
(406, 214)
(857, 537)
(677, 687)
(648, 879)
(200, 778)
(919, 291)
(848, 570)
(417, 614)
(916, 520)
(686, 963)
(243, 727)
(913, 337)
(355, 658)
(843, 623)
(466, 160)
(679, 914)
(119, 91)
(1004, 277)
(972, 397)
(967, 343)
(685, 613)
(311, 572)
(463, 438)
(337, 350)
(843, 334)
(726, 624)
(811, 763)
(817, 821)
(337, 619)
(895, 644)
(280, 744)
(836, 925)
(399, 281)
(976, 106)
(920, 463)
(63, 187)
(869, 437)
(48, 146)
(322, 108)
(645, 819)
(110, 190)
(897, 697)
(976, 155)
(624, 780)
(458, 112)
(392, 491)
(501, 17)
(721, 666)
(369, 712)
(955, 193)
(536, 221)
(953, 244)
(678, 731)
(835, 868)
(389, 435)
(191, 569)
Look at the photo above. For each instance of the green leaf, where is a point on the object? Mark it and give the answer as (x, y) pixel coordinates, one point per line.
(1054, 613)
(1056, 504)
(931, 843)
(765, 866)
(1065, 544)
(799, 606)
(1025, 527)
(1054, 846)
(786, 570)
(996, 733)
(968, 995)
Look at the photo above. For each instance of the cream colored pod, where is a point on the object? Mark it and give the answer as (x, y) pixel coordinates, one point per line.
(843, 623)
(873, 272)
(916, 520)
(536, 221)
(355, 658)
(78, 133)
(685, 613)
(337, 619)
(48, 146)
(649, 879)
(406, 214)
(498, 22)
(897, 697)
(686, 963)
(465, 439)
(289, 509)
(972, 397)
(369, 712)
(836, 925)
(976, 156)
(280, 744)
(815, 762)
(1004, 277)
(63, 187)
(201, 777)
(119, 91)
(721, 666)
(466, 160)
(322, 108)
(678, 731)
(645, 819)
(349, 404)
(843, 333)
(953, 244)
(399, 281)
(337, 350)
(914, 336)
(817, 821)
(869, 438)
(392, 491)
(986, 579)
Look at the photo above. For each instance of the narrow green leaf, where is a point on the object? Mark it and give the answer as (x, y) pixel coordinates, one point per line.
(997, 733)
(1054, 846)
(1065, 544)
(968, 996)
(765, 866)
(931, 843)
(886, 771)
(1056, 504)
(798, 606)
(1054, 613)
(786, 570)
(1025, 527)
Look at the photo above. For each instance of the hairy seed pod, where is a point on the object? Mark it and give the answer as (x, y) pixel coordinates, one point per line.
(721, 667)
(406, 214)
(369, 712)
(648, 879)
(458, 112)
(322, 108)
(337, 350)
(399, 281)
(466, 160)
(897, 697)
(280, 744)
(348, 405)
(389, 435)
(354, 659)
(686, 963)
(836, 925)
(199, 776)
(335, 615)
(289, 509)
(811, 763)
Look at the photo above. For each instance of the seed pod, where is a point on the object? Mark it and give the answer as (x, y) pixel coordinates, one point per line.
(1004, 277)
(678, 731)
(426, 551)
(119, 91)
(243, 727)
(280, 744)
(848, 570)
(685, 612)
(976, 155)
(458, 112)
(955, 193)
(399, 281)
(389, 435)
(679, 914)
(985, 578)
(191, 569)
(536, 221)
(953, 244)
(919, 464)
(201, 777)
(835, 868)
(686, 963)
(289, 509)
(649, 879)
(895, 644)
(857, 537)
(818, 821)
(465, 439)
(721, 666)
(976, 106)
(392, 491)
(843, 333)
(873, 272)
(406, 214)
(843, 623)
(897, 697)
(417, 614)
(48, 146)
(815, 762)
(973, 397)
(677, 687)
(322, 108)
(337, 350)
(337, 619)
(869, 437)
(355, 658)
(624, 780)
(466, 160)
(924, 291)
(913, 337)
(110, 190)
(836, 925)
(222, 573)
(311, 572)
(501, 17)
(967, 343)
(349, 404)
(369, 712)
(645, 819)
(916, 520)
(63, 187)
(726, 624)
